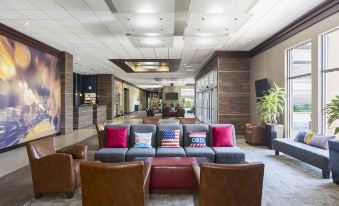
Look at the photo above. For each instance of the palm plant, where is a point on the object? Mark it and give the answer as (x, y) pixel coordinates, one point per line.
(271, 105)
(332, 111)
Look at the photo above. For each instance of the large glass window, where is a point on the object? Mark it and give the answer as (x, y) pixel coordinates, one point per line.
(299, 88)
(330, 65)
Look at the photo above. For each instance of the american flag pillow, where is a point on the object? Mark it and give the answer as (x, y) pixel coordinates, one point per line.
(197, 139)
(170, 138)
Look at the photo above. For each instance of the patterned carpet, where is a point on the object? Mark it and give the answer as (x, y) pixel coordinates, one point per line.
(287, 182)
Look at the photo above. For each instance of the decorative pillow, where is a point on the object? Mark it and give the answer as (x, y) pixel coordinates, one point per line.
(309, 137)
(222, 136)
(321, 141)
(116, 138)
(197, 139)
(301, 136)
(170, 138)
(143, 140)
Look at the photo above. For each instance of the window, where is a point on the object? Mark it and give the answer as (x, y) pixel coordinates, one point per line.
(330, 65)
(299, 88)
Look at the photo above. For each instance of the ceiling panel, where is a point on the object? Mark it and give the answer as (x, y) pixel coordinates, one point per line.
(175, 53)
(46, 4)
(144, 6)
(221, 6)
(148, 53)
(161, 53)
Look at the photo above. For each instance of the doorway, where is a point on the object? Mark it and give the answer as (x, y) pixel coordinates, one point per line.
(126, 101)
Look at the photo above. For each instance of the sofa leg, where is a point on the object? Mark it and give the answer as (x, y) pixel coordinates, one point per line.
(276, 152)
(69, 195)
(326, 174)
(37, 195)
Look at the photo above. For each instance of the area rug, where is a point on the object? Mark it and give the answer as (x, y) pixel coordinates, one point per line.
(287, 182)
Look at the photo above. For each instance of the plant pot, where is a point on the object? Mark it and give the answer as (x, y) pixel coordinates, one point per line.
(271, 134)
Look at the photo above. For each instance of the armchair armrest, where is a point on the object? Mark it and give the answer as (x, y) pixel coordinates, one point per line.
(147, 174)
(78, 151)
(196, 171)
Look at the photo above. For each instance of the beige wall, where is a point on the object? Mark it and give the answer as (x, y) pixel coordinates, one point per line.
(169, 89)
(271, 64)
(136, 97)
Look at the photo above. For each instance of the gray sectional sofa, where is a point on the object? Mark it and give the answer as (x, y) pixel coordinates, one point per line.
(227, 155)
(306, 153)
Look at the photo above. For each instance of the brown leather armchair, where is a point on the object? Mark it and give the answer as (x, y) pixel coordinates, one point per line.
(226, 184)
(255, 134)
(166, 112)
(151, 120)
(188, 121)
(55, 171)
(100, 126)
(180, 112)
(115, 183)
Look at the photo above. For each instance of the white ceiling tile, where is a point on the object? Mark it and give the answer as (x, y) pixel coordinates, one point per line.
(221, 6)
(59, 14)
(4, 6)
(10, 14)
(35, 14)
(161, 53)
(148, 53)
(96, 5)
(73, 4)
(144, 6)
(19, 4)
(46, 4)
(175, 53)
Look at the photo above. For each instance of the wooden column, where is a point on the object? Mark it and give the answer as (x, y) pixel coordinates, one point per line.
(105, 89)
(234, 92)
(66, 73)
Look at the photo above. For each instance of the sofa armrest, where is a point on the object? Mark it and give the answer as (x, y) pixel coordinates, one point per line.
(78, 151)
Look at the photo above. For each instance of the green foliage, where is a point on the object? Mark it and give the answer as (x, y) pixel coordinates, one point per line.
(332, 111)
(271, 105)
(302, 108)
(186, 102)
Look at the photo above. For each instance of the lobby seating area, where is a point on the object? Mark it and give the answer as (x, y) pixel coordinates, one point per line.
(169, 102)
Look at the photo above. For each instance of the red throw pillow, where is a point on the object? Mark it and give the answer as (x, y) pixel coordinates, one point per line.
(222, 136)
(116, 137)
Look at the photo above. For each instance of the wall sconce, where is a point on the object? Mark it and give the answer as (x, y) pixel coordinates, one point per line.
(80, 94)
(90, 87)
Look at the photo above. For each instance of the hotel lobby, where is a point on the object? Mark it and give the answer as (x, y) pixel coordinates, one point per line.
(169, 102)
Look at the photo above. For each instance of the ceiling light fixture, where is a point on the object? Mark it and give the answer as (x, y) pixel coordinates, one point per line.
(26, 23)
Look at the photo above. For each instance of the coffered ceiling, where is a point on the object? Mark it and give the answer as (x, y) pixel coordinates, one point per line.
(95, 31)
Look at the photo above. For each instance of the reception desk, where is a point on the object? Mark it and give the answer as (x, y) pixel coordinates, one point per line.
(82, 116)
(99, 113)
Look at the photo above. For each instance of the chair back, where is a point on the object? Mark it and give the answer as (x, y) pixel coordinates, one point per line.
(100, 126)
(149, 112)
(180, 112)
(112, 183)
(40, 148)
(236, 184)
(166, 112)
(188, 121)
(151, 120)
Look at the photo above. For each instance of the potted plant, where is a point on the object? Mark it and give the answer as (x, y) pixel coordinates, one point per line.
(271, 106)
(332, 111)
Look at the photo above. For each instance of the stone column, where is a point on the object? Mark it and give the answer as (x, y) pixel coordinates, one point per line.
(66, 74)
(105, 89)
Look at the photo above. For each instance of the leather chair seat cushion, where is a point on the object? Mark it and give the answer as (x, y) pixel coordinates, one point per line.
(132, 153)
(228, 155)
(170, 152)
(171, 172)
(200, 152)
(111, 154)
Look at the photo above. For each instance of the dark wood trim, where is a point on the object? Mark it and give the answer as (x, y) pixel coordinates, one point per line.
(312, 17)
(220, 54)
(27, 40)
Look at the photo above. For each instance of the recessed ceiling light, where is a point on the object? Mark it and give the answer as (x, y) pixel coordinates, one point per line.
(235, 19)
(152, 34)
(26, 23)
(243, 42)
(203, 19)
(160, 19)
(128, 19)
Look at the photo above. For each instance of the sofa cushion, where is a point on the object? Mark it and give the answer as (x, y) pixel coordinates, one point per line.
(308, 137)
(169, 127)
(143, 140)
(143, 128)
(116, 138)
(170, 138)
(300, 137)
(116, 126)
(195, 128)
(133, 153)
(222, 125)
(222, 136)
(197, 139)
(320, 141)
(200, 152)
(111, 154)
(228, 155)
(170, 152)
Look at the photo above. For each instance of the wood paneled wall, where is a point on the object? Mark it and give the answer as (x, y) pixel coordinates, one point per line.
(105, 89)
(234, 92)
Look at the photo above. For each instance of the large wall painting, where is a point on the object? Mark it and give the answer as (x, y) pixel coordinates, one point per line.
(30, 98)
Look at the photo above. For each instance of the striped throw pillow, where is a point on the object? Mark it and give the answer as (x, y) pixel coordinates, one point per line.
(321, 141)
(197, 139)
(143, 140)
(170, 138)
